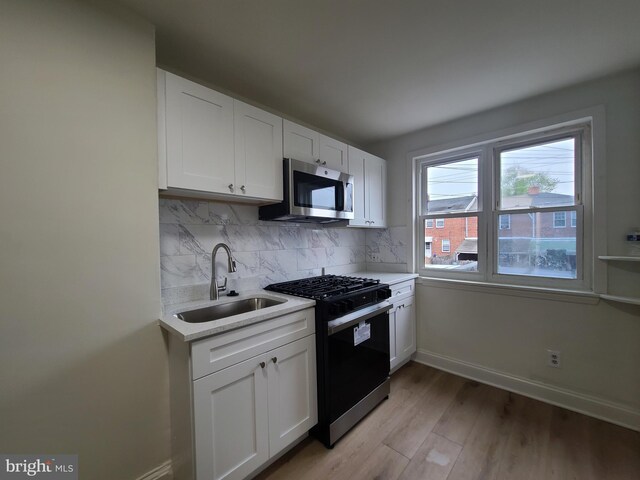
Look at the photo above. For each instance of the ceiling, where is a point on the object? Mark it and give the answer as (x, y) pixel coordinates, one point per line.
(369, 70)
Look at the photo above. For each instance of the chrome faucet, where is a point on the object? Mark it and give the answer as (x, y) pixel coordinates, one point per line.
(215, 289)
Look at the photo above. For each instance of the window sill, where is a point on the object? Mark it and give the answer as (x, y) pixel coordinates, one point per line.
(554, 294)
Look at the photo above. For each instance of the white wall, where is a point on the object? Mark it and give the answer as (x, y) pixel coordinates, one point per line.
(83, 363)
(600, 343)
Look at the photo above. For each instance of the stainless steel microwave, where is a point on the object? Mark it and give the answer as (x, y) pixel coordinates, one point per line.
(312, 193)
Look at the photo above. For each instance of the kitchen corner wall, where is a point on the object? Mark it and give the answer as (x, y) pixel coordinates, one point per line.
(265, 252)
(84, 362)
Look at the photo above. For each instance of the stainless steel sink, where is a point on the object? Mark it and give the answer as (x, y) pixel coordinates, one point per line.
(223, 310)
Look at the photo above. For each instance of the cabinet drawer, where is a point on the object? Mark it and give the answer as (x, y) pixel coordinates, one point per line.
(221, 351)
(402, 290)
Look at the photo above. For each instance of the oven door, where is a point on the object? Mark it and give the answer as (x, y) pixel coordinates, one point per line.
(358, 356)
(319, 192)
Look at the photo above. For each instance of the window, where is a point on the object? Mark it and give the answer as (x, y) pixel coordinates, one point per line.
(429, 223)
(507, 201)
(452, 185)
(427, 250)
(560, 219)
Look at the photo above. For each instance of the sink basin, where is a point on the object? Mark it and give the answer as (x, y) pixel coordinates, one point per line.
(223, 310)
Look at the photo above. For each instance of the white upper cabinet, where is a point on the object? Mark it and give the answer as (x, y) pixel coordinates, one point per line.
(370, 190)
(300, 143)
(258, 152)
(211, 145)
(307, 145)
(199, 136)
(333, 154)
(375, 170)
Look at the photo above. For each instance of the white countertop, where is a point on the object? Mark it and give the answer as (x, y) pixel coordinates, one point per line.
(385, 277)
(193, 331)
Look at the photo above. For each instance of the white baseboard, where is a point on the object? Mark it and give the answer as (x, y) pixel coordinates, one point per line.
(161, 472)
(577, 402)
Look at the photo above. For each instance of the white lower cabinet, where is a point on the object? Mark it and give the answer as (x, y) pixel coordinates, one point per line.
(402, 323)
(231, 421)
(241, 414)
(247, 413)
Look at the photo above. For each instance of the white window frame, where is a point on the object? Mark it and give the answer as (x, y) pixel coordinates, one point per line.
(564, 222)
(448, 250)
(439, 222)
(429, 223)
(573, 220)
(488, 195)
(508, 227)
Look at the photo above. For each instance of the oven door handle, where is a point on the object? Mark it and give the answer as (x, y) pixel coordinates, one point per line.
(334, 326)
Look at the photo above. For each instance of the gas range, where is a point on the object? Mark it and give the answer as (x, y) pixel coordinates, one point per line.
(352, 348)
(336, 295)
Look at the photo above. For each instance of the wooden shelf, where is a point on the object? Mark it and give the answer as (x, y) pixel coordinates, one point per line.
(615, 298)
(618, 258)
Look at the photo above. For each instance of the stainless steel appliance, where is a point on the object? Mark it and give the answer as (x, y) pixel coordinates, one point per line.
(352, 345)
(312, 193)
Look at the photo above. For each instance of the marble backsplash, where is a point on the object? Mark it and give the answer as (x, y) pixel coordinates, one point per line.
(265, 252)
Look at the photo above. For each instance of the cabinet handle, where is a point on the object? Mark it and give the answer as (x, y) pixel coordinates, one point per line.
(231, 186)
(324, 163)
(372, 221)
(318, 161)
(262, 364)
(274, 359)
(243, 188)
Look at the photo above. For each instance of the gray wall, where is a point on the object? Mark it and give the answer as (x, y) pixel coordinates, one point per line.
(84, 367)
(496, 332)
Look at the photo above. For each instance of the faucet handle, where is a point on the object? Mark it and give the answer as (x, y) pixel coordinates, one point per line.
(224, 285)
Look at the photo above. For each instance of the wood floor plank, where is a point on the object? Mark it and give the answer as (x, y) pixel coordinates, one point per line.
(525, 454)
(456, 423)
(383, 463)
(618, 450)
(433, 460)
(482, 452)
(418, 421)
(569, 453)
(503, 436)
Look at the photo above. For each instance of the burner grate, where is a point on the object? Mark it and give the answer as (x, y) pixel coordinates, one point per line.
(324, 286)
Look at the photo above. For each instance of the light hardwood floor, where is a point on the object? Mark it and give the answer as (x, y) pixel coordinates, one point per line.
(439, 426)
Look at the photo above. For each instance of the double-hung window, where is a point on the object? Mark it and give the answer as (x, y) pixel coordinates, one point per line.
(514, 209)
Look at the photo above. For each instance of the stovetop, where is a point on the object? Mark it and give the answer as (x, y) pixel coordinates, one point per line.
(323, 287)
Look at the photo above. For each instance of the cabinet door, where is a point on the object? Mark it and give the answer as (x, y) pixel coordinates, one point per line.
(300, 143)
(405, 320)
(356, 168)
(375, 170)
(333, 154)
(231, 423)
(199, 129)
(258, 152)
(292, 392)
(392, 338)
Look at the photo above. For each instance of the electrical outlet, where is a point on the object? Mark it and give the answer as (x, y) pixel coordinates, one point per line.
(553, 359)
